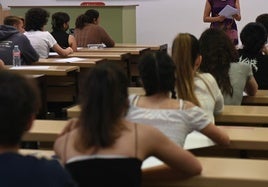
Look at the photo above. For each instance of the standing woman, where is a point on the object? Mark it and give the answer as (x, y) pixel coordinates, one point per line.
(88, 31)
(211, 14)
(60, 24)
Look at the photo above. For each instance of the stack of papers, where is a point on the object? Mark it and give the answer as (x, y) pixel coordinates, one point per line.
(228, 11)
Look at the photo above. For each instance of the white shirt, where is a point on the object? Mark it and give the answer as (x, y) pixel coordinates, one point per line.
(208, 94)
(174, 123)
(41, 41)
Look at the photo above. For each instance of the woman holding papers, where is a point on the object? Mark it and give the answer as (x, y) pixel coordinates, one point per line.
(223, 14)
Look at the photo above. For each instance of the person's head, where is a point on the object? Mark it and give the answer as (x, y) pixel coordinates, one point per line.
(93, 16)
(60, 21)
(157, 72)
(81, 21)
(104, 102)
(218, 52)
(36, 19)
(187, 58)
(263, 19)
(16, 22)
(19, 101)
(253, 37)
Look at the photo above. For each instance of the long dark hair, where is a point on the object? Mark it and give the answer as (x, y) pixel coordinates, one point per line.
(58, 20)
(104, 101)
(157, 72)
(218, 53)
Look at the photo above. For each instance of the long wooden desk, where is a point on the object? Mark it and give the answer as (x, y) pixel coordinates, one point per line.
(112, 56)
(261, 98)
(220, 172)
(46, 70)
(161, 47)
(238, 115)
(217, 172)
(242, 138)
(61, 81)
(45, 130)
(253, 115)
(80, 62)
(130, 50)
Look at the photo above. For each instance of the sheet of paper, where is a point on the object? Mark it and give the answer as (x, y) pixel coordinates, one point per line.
(72, 59)
(30, 67)
(228, 11)
(196, 140)
(151, 162)
(53, 54)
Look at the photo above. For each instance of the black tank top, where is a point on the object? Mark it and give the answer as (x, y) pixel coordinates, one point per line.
(62, 38)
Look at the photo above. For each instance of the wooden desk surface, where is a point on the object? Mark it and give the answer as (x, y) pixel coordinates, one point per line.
(217, 172)
(118, 56)
(46, 70)
(81, 62)
(231, 114)
(261, 98)
(132, 50)
(161, 47)
(45, 130)
(243, 114)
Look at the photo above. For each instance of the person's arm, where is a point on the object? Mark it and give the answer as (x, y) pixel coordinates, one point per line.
(251, 86)
(208, 18)
(62, 52)
(72, 43)
(160, 146)
(237, 17)
(106, 39)
(216, 134)
(2, 64)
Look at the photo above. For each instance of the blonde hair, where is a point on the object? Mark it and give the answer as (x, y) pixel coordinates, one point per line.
(185, 50)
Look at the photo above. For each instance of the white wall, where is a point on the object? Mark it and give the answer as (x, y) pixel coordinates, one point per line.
(158, 21)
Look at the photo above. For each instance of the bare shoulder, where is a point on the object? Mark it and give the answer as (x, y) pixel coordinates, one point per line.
(188, 105)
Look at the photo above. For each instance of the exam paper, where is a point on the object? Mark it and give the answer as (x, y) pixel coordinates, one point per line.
(72, 59)
(228, 11)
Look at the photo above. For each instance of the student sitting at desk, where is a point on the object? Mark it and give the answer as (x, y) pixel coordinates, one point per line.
(60, 24)
(176, 118)
(192, 85)
(18, 106)
(220, 59)
(42, 41)
(10, 35)
(254, 37)
(101, 148)
(88, 31)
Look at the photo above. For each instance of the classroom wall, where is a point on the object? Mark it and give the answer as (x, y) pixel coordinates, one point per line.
(158, 21)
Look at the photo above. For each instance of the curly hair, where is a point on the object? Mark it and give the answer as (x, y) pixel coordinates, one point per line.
(157, 72)
(218, 53)
(36, 19)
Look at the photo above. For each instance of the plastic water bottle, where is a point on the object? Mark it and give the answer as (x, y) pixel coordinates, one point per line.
(16, 56)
